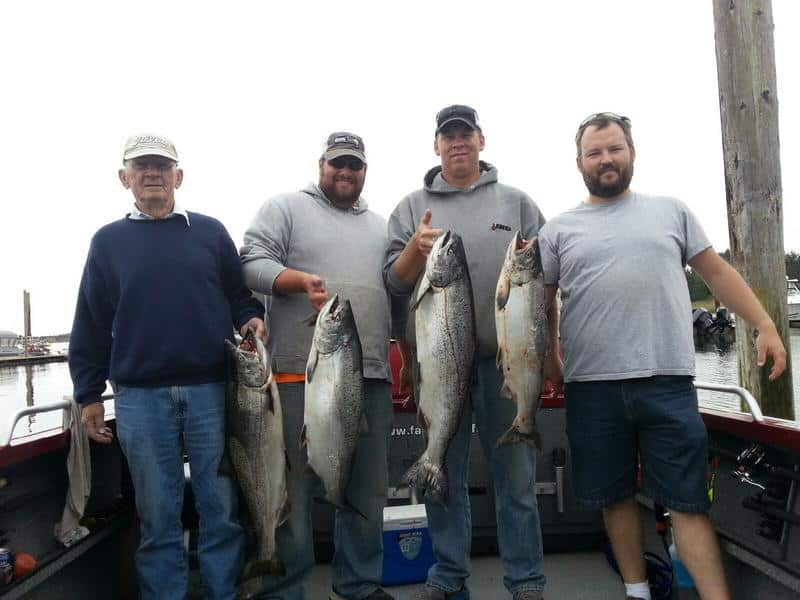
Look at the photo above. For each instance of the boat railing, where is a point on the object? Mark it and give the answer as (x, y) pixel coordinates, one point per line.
(752, 403)
(5, 439)
(7, 436)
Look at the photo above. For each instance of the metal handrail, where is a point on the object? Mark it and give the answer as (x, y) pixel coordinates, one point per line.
(752, 403)
(5, 440)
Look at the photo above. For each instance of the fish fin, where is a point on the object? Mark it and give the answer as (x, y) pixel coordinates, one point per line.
(345, 506)
(424, 288)
(225, 464)
(514, 435)
(503, 291)
(312, 365)
(352, 508)
(285, 509)
(363, 426)
(422, 420)
(270, 399)
(303, 438)
(505, 391)
(310, 320)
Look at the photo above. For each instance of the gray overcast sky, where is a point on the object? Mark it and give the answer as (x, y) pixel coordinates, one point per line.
(249, 91)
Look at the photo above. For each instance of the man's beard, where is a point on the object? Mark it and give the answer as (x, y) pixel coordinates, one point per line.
(339, 199)
(603, 190)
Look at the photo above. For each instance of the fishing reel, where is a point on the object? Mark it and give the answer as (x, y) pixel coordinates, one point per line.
(755, 470)
(774, 486)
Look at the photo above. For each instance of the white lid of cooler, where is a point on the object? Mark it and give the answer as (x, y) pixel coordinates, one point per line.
(407, 516)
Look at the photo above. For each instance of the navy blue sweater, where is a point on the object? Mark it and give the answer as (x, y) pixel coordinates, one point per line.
(156, 302)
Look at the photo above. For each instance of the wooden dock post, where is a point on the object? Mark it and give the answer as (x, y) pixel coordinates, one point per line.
(748, 102)
(26, 316)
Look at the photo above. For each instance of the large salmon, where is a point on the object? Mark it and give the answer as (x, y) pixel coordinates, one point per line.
(522, 336)
(256, 450)
(445, 340)
(333, 414)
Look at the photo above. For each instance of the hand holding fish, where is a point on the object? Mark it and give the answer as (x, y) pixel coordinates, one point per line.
(554, 370)
(93, 420)
(425, 235)
(257, 325)
(406, 384)
(314, 286)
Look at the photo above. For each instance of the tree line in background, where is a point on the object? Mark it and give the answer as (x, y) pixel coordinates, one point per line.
(699, 291)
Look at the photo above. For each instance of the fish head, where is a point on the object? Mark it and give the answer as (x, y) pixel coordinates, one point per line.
(249, 361)
(447, 261)
(523, 259)
(336, 325)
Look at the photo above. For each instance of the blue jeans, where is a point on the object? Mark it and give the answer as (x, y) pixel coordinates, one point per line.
(357, 563)
(154, 425)
(513, 470)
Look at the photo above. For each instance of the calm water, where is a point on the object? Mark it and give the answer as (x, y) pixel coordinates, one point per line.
(715, 365)
(44, 384)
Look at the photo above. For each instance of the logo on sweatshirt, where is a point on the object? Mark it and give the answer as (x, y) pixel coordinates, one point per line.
(496, 226)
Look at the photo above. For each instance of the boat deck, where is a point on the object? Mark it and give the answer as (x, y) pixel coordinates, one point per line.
(577, 576)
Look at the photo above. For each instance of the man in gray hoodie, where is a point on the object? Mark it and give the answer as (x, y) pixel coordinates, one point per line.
(300, 249)
(463, 194)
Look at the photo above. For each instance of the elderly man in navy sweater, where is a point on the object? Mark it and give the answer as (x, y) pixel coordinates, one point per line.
(161, 290)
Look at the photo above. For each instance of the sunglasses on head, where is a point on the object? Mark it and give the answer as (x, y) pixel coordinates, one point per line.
(604, 115)
(351, 162)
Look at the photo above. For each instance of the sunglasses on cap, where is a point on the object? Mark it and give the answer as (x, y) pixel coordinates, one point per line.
(351, 162)
(603, 115)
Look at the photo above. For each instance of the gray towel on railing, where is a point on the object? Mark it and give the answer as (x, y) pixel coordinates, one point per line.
(79, 471)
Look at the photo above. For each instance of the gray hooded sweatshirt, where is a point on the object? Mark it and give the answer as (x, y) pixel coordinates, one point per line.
(485, 215)
(304, 231)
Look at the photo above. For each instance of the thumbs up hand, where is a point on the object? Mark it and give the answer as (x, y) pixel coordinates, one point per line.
(425, 235)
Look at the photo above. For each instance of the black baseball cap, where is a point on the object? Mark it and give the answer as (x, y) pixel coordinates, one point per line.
(342, 143)
(457, 112)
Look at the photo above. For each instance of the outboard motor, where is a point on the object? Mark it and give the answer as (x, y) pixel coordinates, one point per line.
(723, 318)
(703, 321)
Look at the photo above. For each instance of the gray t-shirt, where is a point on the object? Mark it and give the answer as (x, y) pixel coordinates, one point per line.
(625, 308)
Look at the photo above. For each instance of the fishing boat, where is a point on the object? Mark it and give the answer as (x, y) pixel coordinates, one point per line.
(8, 344)
(755, 463)
(793, 302)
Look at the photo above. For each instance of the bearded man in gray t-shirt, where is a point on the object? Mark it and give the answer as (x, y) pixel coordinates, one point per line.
(618, 259)
(300, 249)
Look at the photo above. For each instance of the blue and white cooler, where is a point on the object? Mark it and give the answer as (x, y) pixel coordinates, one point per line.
(407, 550)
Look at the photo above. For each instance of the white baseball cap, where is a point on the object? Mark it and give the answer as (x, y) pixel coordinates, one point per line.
(149, 144)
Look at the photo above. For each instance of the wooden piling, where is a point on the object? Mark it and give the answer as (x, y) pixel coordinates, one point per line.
(748, 101)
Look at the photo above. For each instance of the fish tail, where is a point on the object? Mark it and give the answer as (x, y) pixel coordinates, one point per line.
(514, 435)
(262, 568)
(429, 477)
(275, 566)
